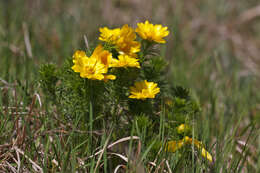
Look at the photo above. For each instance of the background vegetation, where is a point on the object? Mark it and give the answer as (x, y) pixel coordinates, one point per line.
(213, 49)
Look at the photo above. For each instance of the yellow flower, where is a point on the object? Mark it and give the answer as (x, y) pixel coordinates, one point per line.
(198, 144)
(151, 32)
(143, 90)
(183, 128)
(94, 67)
(125, 61)
(172, 146)
(126, 43)
(109, 35)
(109, 77)
(103, 55)
(123, 38)
(78, 60)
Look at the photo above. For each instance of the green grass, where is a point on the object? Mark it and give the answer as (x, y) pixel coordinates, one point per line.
(33, 133)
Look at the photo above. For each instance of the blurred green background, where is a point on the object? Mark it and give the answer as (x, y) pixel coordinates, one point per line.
(213, 48)
(215, 32)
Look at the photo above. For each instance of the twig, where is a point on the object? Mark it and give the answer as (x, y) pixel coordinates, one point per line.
(118, 141)
(119, 155)
(4, 82)
(250, 14)
(118, 167)
(101, 154)
(27, 41)
(18, 161)
(11, 167)
(161, 165)
(86, 42)
(168, 166)
(35, 166)
(39, 99)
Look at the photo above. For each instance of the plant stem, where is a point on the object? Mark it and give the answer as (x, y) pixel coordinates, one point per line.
(91, 111)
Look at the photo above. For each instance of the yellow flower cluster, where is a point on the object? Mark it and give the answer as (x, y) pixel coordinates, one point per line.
(123, 41)
(173, 146)
(123, 38)
(96, 66)
(147, 31)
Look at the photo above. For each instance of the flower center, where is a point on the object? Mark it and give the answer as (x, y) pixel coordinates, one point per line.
(91, 70)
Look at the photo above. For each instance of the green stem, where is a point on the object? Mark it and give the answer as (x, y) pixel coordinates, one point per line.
(89, 97)
(91, 111)
(147, 45)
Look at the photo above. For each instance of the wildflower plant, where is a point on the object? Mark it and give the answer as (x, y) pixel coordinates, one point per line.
(122, 82)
